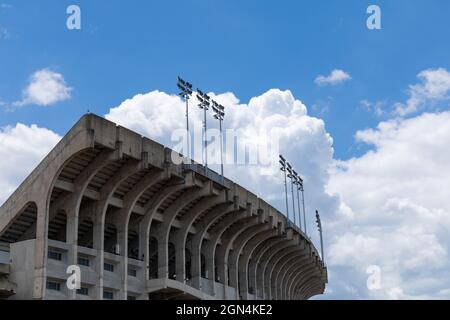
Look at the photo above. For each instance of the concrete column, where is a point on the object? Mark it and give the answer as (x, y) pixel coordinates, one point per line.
(122, 240)
(163, 253)
(98, 246)
(41, 248)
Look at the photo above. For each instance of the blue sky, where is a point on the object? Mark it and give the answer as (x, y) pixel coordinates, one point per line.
(245, 47)
(382, 184)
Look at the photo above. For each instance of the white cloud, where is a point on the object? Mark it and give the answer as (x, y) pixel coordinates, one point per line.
(336, 76)
(21, 149)
(45, 88)
(399, 195)
(434, 86)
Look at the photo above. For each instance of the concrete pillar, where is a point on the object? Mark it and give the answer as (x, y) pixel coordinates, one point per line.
(41, 248)
(163, 252)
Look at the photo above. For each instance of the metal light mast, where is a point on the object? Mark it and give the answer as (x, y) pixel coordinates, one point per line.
(219, 111)
(319, 226)
(302, 189)
(291, 176)
(298, 182)
(186, 93)
(204, 104)
(284, 169)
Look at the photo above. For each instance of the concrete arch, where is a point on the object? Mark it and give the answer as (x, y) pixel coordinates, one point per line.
(186, 222)
(228, 237)
(294, 280)
(163, 229)
(248, 251)
(303, 279)
(287, 271)
(238, 246)
(197, 240)
(256, 259)
(279, 267)
(209, 249)
(265, 269)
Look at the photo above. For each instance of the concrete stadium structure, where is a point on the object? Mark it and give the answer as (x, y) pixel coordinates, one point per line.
(141, 227)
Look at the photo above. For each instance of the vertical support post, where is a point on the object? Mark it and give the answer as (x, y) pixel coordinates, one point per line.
(205, 138)
(293, 200)
(221, 150)
(299, 210)
(188, 136)
(304, 211)
(286, 191)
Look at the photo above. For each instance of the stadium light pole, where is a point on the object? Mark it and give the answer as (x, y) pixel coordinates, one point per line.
(284, 169)
(186, 92)
(291, 176)
(219, 111)
(302, 189)
(319, 227)
(204, 104)
(298, 182)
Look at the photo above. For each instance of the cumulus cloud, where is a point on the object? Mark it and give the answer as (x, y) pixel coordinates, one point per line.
(21, 149)
(336, 76)
(398, 193)
(434, 86)
(45, 88)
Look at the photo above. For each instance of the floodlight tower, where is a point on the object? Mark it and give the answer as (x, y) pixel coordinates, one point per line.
(319, 227)
(291, 176)
(298, 182)
(219, 111)
(186, 92)
(204, 104)
(302, 189)
(284, 169)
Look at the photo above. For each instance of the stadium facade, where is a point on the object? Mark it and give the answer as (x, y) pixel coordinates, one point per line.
(138, 226)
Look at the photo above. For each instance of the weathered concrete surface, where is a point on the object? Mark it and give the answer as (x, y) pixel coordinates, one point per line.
(140, 226)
